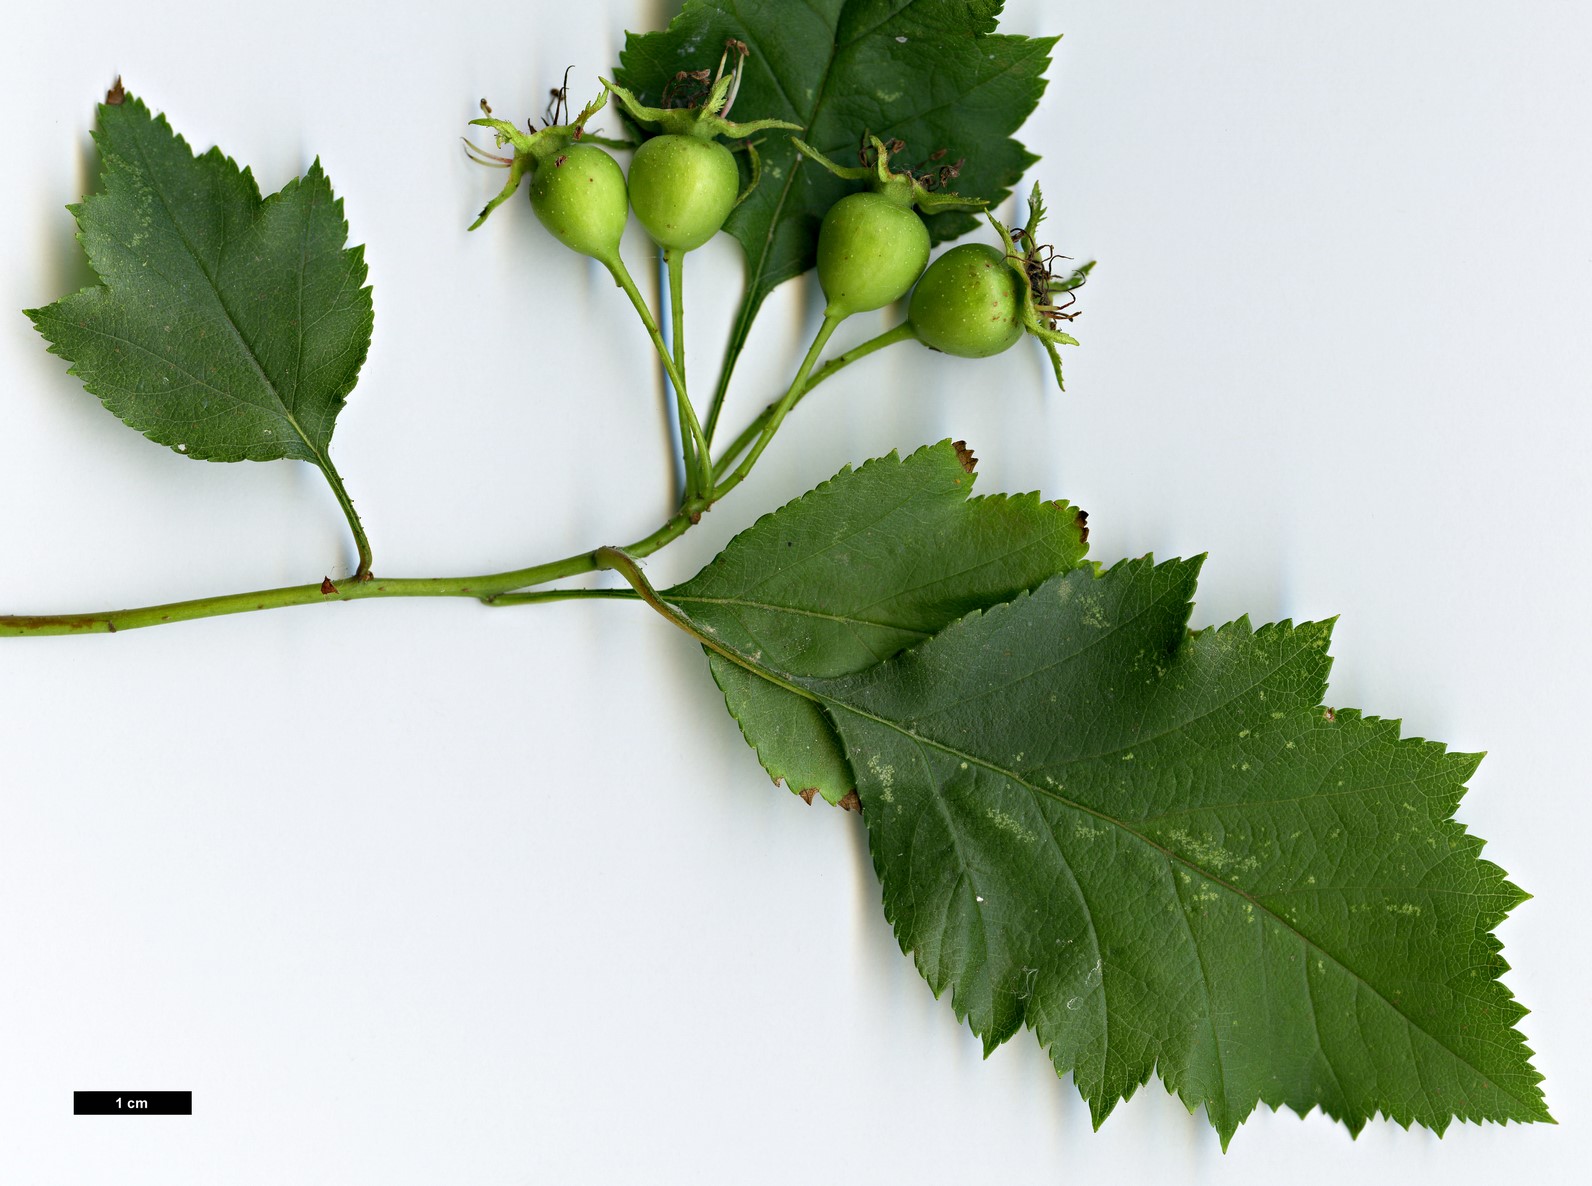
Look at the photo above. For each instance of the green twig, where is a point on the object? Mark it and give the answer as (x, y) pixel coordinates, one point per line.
(901, 333)
(674, 262)
(488, 588)
(500, 588)
(699, 470)
(776, 415)
(538, 596)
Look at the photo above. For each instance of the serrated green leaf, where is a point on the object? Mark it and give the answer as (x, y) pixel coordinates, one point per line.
(867, 564)
(227, 327)
(932, 73)
(1161, 853)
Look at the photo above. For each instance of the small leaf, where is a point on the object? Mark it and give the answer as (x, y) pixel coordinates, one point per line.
(932, 73)
(872, 561)
(227, 327)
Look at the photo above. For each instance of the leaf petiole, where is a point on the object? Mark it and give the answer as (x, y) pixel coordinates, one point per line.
(617, 560)
(361, 542)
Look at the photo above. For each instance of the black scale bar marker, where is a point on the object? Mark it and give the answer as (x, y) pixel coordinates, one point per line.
(132, 1103)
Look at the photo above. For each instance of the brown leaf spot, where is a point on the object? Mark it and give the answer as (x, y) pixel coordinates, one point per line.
(117, 93)
(1328, 714)
(850, 802)
(964, 455)
(1083, 526)
(327, 588)
(807, 795)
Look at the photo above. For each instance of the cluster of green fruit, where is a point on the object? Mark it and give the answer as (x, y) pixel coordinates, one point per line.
(974, 301)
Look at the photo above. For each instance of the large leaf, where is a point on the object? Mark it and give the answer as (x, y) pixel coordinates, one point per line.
(1160, 852)
(1163, 854)
(931, 72)
(227, 327)
(867, 564)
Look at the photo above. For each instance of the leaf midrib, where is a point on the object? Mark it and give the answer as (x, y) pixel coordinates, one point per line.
(796, 611)
(228, 319)
(755, 293)
(1172, 857)
(96, 384)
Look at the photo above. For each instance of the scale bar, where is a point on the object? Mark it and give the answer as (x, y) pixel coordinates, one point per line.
(132, 1103)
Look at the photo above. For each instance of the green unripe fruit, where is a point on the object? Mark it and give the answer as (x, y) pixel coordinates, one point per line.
(969, 303)
(870, 250)
(579, 195)
(682, 188)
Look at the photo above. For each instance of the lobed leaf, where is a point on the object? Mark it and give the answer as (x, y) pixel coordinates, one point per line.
(869, 563)
(1160, 852)
(226, 326)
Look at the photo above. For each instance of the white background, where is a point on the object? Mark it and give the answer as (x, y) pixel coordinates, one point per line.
(415, 892)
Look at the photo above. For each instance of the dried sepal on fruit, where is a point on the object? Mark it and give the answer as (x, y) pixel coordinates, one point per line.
(922, 186)
(683, 179)
(872, 245)
(977, 300)
(577, 189)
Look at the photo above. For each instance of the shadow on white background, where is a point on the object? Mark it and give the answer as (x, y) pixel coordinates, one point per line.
(416, 892)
